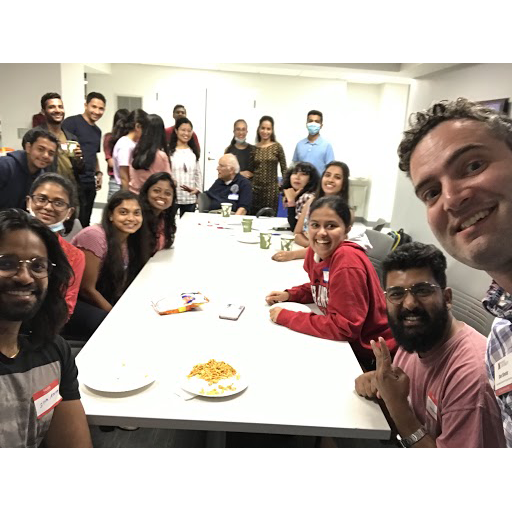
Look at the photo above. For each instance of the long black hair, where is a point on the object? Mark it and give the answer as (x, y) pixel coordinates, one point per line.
(271, 120)
(344, 192)
(127, 124)
(151, 220)
(307, 168)
(53, 312)
(114, 279)
(174, 139)
(68, 186)
(152, 140)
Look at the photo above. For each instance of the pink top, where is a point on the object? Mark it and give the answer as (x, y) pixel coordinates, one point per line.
(93, 239)
(139, 176)
(77, 261)
(450, 393)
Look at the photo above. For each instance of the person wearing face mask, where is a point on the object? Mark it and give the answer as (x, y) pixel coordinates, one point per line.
(53, 200)
(314, 149)
(244, 151)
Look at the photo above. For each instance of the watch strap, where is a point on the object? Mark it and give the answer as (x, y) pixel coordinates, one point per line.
(413, 438)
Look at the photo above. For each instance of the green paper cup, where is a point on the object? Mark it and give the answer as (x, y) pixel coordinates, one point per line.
(286, 242)
(226, 209)
(247, 224)
(265, 240)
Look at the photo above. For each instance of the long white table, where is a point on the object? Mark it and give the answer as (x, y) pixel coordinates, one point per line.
(298, 384)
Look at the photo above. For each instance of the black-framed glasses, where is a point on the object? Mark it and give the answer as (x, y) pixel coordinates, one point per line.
(38, 267)
(420, 290)
(40, 200)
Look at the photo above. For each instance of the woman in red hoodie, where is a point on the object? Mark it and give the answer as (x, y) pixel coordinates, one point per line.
(343, 284)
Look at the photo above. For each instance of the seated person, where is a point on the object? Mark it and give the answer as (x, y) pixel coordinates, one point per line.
(115, 251)
(39, 396)
(158, 200)
(53, 200)
(230, 187)
(299, 187)
(438, 389)
(18, 169)
(343, 284)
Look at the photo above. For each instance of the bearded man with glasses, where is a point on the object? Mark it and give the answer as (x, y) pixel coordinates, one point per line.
(437, 392)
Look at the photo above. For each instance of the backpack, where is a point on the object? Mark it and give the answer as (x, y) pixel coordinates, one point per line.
(400, 238)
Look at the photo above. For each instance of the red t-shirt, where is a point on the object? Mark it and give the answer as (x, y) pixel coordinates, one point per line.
(76, 259)
(346, 289)
(171, 129)
(450, 393)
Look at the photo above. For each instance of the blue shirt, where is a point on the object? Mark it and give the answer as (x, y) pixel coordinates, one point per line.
(319, 153)
(237, 192)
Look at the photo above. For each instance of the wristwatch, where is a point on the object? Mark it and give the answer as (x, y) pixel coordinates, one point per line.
(413, 438)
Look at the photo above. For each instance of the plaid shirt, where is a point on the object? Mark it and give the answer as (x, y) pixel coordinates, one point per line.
(186, 170)
(498, 303)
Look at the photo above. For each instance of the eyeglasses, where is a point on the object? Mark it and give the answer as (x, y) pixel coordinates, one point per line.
(38, 267)
(421, 290)
(40, 200)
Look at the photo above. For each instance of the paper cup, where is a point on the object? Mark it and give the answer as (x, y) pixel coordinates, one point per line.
(226, 209)
(72, 146)
(265, 240)
(286, 242)
(247, 223)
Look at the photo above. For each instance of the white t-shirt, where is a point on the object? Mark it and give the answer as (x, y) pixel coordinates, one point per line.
(122, 155)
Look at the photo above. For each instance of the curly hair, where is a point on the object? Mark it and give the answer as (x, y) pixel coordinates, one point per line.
(303, 167)
(151, 220)
(53, 312)
(424, 121)
(416, 255)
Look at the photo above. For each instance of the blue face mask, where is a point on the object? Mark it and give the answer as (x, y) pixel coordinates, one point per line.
(240, 141)
(313, 128)
(57, 227)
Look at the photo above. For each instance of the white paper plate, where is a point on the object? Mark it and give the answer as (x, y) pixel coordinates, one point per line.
(201, 387)
(116, 377)
(249, 238)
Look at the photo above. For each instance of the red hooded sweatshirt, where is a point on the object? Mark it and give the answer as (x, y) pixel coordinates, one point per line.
(347, 290)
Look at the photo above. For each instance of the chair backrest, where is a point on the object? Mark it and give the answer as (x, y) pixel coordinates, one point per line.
(469, 286)
(203, 202)
(381, 246)
(77, 226)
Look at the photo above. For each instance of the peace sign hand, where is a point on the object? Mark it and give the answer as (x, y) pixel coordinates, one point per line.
(392, 384)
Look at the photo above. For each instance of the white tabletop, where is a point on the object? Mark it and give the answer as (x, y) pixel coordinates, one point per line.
(298, 384)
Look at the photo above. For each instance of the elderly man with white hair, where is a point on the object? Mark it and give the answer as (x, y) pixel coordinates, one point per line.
(230, 187)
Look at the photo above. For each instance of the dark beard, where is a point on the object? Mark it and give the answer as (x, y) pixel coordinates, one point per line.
(420, 339)
(16, 313)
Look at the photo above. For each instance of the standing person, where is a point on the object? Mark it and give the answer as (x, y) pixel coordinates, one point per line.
(185, 166)
(179, 112)
(65, 164)
(158, 200)
(244, 151)
(115, 251)
(53, 200)
(442, 394)
(150, 154)
(125, 136)
(314, 148)
(107, 150)
(39, 396)
(268, 153)
(458, 157)
(89, 136)
(18, 169)
(343, 284)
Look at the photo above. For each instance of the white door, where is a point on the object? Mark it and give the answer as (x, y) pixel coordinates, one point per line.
(226, 104)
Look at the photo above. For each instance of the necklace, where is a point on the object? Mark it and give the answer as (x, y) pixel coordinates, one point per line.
(15, 354)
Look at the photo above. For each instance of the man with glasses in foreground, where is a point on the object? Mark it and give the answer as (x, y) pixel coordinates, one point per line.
(39, 397)
(437, 392)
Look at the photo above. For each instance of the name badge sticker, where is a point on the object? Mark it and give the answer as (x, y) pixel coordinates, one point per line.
(326, 275)
(47, 398)
(431, 405)
(503, 375)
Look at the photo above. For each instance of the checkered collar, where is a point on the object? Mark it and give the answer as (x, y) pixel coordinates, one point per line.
(498, 302)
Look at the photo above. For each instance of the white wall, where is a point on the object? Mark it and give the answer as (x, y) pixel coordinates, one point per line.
(475, 82)
(72, 88)
(21, 88)
(355, 115)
